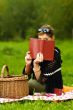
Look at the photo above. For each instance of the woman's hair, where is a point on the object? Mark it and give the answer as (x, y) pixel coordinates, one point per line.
(46, 29)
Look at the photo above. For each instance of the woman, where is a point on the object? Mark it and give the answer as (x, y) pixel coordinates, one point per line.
(37, 68)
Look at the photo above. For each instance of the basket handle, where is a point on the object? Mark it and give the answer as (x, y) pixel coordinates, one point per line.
(3, 69)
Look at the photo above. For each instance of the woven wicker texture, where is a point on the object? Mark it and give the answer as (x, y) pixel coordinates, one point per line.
(13, 86)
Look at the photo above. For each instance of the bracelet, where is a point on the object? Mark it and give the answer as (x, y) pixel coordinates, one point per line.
(36, 70)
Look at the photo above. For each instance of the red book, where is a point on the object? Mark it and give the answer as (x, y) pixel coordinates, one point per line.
(43, 46)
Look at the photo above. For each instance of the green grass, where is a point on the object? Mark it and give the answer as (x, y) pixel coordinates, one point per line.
(13, 53)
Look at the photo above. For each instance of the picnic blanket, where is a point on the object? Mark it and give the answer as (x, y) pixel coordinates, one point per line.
(67, 95)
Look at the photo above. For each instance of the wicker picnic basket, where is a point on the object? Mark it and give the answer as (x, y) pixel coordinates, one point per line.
(13, 86)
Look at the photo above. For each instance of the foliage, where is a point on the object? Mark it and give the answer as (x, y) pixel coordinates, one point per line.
(19, 18)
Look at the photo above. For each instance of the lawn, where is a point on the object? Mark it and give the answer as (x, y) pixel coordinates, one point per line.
(13, 53)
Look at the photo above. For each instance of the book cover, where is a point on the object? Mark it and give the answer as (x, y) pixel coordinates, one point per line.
(43, 46)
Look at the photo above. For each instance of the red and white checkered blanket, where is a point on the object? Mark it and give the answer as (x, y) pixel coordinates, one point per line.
(41, 96)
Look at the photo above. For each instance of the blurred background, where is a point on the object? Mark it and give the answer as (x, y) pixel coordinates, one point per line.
(19, 19)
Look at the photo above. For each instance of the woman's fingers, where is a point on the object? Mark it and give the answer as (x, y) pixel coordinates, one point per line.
(28, 52)
(39, 58)
(28, 58)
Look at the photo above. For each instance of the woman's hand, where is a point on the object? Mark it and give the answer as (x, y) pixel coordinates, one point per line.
(36, 69)
(28, 58)
(39, 58)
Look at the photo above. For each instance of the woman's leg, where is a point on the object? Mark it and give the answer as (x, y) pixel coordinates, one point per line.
(35, 86)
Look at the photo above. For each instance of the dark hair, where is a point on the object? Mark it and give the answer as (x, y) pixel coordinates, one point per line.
(46, 29)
